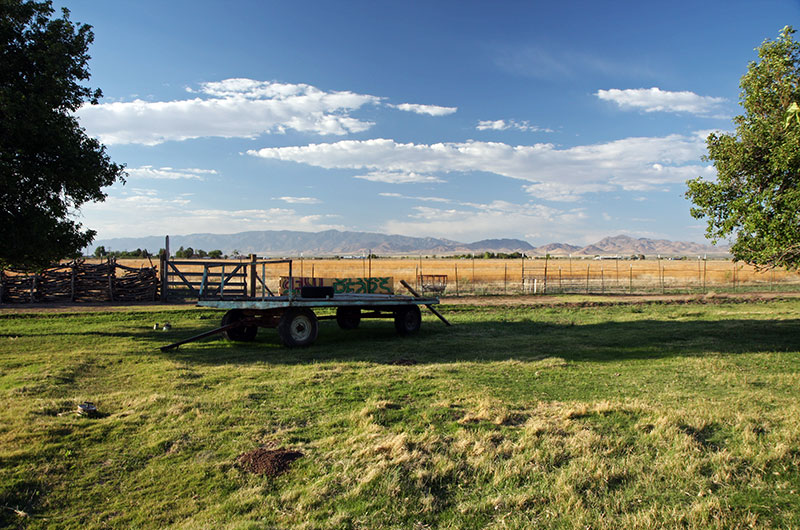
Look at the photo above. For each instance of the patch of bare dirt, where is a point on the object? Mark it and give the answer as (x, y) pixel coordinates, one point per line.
(270, 462)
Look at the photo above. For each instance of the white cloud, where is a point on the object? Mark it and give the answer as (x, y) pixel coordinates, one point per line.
(637, 163)
(504, 125)
(657, 100)
(423, 199)
(168, 173)
(554, 191)
(299, 200)
(232, 108)
(472, 221)
(135, 212)
(398, 177)
(431, 110)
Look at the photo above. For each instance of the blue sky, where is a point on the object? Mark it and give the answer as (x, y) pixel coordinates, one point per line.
(564, 121)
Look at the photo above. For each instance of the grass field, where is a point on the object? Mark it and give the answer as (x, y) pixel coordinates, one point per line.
(637, 416)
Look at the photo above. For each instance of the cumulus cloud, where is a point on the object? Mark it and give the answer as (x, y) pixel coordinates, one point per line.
(299, 200)
(398, 177)
(431, 110)
(657, 100)
(554, 191)
(470, 221)
(504, 125)
(637, 163)
(232, 108)
(141, 212)
(168, 173)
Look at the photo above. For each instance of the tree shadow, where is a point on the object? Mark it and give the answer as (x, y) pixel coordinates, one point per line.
(377, 342)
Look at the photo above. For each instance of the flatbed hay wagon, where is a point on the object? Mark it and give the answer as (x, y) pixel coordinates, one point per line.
(292, 312)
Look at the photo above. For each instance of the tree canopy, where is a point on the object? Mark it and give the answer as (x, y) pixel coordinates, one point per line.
(756, 196)
(49, 167)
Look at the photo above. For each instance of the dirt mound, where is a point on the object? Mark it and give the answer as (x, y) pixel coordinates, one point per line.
(270, 462)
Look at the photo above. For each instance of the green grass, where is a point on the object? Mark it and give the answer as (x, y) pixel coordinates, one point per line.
(653, 416)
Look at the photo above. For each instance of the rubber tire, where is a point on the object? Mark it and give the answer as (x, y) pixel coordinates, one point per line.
(298, 327)
(242, 333)
(348, 317)
(407, 320)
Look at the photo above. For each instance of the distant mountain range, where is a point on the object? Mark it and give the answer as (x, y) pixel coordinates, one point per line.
(272, 243)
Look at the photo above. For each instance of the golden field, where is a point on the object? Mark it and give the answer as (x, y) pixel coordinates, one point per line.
(517, 275)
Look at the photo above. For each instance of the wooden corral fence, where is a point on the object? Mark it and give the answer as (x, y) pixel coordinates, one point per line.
(79, 281)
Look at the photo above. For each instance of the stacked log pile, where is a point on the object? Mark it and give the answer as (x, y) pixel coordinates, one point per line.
(55, 284)
(94, 283)
(80, 282)
(18, 288)
(136, 285)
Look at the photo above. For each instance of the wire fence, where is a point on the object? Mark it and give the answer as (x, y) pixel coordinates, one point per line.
(456, 277)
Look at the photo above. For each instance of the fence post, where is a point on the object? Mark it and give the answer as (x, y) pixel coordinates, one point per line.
(704, 275)
(164, 273)
(505, 278)
(546, 259)
(456, 268)
(630, 280)
(111, 279)
(587, 279)
(253, 275)
(560, 288)
(72, 282)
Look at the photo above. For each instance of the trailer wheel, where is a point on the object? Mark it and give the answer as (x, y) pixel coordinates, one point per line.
(407, 319)
(348, 317)
(240, 333)
(298, 327)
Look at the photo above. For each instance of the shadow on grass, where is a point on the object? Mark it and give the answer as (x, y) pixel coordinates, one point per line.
(376, 342)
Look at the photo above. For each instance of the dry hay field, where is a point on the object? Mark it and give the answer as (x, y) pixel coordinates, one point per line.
(501, 276)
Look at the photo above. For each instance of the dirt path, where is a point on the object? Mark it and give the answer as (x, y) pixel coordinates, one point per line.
(90, 307)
